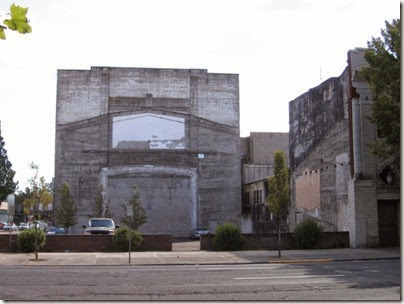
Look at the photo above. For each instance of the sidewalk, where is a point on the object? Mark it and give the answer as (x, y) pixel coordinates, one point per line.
(199, 257)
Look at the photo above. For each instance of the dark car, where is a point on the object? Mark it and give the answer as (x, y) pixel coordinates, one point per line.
(196, 232)
(55, 230)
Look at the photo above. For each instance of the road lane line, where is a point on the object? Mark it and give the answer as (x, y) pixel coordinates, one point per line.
(290, 277)
(241, 268)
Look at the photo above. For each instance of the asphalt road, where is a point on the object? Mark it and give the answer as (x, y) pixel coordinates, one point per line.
(357, 280)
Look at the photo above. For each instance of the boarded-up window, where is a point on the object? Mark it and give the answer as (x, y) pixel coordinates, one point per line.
(308, 190)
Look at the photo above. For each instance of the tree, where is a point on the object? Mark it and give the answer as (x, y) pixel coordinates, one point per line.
(98, 208)
(383, 76)
(135, 215)
(97, 205)
(278, 197)
(39, 196)
(7, 184)
(17, 22)
(66, 213)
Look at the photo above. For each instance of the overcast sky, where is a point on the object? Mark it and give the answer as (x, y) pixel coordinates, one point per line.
(280, 49)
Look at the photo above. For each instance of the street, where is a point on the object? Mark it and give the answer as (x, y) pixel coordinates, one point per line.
(353, 280)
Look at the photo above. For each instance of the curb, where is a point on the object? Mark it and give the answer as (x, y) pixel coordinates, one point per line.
(302, 261)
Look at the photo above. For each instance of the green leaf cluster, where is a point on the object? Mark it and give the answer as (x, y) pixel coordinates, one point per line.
(383, 75)
(97, 206)
(121, 239)
(307, 234)
(228, 237)
(18, 21)
(278, 197)
(7, 184)
(138, 217)
(26, 240)
(66, 213)
(38, 194)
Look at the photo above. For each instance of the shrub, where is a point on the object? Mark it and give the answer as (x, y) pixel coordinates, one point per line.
(26, 240)
(307, 234)
(121, 239)
(228, 237)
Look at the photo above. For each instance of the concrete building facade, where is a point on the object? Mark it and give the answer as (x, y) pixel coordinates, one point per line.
(173, 133)
(334, 176)
(258, 151)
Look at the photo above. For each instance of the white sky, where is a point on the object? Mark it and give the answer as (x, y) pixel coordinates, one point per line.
(277, 47)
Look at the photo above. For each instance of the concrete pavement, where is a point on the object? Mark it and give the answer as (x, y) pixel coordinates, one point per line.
(199, 257)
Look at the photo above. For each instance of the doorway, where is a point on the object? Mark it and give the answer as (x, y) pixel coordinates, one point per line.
(389, 219)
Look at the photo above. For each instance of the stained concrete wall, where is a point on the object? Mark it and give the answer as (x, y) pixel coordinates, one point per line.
(260, 147)
(318, 136)
(198, 184)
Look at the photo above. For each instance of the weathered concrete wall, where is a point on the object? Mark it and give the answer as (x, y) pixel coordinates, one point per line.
(330, 135)
(203, 107)
(308, 190)
(318, 136)
(260, 147)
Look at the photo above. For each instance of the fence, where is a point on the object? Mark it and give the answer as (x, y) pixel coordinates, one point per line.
(88, 243)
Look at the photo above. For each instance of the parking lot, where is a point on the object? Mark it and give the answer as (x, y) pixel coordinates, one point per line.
(185, 244)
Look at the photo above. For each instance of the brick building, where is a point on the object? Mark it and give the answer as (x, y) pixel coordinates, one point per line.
(173, 133)
(335, 177)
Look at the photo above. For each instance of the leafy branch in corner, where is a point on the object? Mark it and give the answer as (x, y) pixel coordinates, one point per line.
(18, 21)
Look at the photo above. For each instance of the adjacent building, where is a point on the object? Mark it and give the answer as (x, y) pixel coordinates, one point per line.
(257, 154)
(334, 176)
(172, 132)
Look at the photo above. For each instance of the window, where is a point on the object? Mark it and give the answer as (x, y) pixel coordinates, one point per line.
(246, 198)
(258, 197)
(148, 131)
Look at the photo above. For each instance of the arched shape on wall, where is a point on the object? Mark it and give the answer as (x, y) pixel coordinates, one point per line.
(148, 169)
(148, 131)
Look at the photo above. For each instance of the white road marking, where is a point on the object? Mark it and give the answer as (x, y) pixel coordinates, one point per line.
(241, 268)
(290, 277)
(95, 259)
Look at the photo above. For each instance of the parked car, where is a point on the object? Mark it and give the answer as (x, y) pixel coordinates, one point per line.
(23, 226)
(196, 232)
(2, 224)
(100, 226)
(40, 224)
(9, 227)
(55, 230)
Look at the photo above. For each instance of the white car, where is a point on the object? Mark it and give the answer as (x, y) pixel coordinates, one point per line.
(197, 232)
(40, 224)
(13, 227)
(23, 226)
(100, 226)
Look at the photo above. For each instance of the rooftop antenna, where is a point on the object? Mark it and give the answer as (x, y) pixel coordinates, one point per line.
(321, 77)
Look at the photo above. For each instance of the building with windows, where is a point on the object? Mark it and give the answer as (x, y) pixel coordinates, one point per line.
(258, 151)
(174, 133)
(334, 176)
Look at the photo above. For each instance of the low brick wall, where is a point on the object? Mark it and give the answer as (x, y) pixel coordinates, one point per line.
(88, 243)
(269, 241)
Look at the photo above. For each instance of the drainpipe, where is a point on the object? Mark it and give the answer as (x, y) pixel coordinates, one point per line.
(357, 140)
